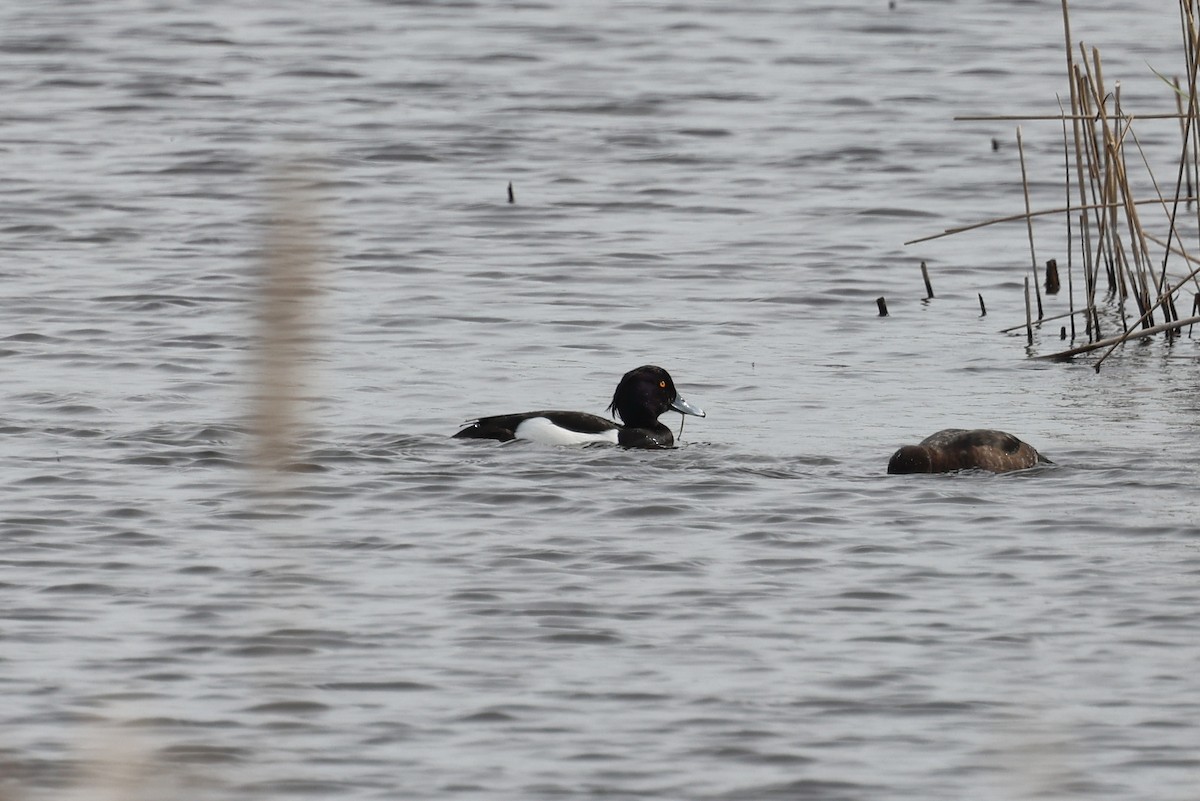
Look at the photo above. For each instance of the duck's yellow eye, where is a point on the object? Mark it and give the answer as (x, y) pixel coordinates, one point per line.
(662, 384)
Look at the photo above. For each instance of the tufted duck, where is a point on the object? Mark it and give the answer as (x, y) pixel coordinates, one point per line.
(641, 396)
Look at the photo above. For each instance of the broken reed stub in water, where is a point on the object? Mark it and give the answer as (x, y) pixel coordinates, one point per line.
(882, 304)
(928, 286)
(511, 197)
(982, 308)
(1052, 285)
(1028, 314)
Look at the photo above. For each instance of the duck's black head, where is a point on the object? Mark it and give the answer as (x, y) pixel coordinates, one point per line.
(644, 394)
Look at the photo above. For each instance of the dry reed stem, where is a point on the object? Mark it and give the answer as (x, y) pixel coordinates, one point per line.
(1038, 323)
(1051, 117)
(1088, 180)
(1193, 56)
(1191, 39)
(1019, 217)
(1141, 248)
(1173, 232)
(1070, 231)
(1117, 340)
(1183, 132)
(1181, 253)
(1028, 315)
(1104, 161)
(1084, 229)
(1187, 24)
(1029, 221)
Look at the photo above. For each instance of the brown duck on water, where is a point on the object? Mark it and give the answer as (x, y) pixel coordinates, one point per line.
(960, 449)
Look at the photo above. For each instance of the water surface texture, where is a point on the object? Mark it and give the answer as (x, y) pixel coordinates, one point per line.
(720, 188)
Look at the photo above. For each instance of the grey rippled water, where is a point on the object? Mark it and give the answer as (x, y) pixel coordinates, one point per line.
(721, 188)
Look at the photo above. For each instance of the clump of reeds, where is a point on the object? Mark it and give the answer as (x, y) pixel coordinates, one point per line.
(1103, 215)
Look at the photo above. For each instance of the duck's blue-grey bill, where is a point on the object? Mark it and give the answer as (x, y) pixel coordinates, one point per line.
(683, 407)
